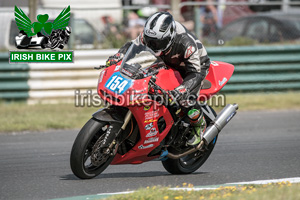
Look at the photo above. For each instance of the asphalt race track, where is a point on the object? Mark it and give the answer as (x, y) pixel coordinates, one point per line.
(254, 146)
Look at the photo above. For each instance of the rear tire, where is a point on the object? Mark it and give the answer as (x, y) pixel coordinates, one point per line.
(80, 159)
(191, 162)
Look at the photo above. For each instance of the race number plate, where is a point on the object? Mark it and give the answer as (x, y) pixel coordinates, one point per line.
(118, 84)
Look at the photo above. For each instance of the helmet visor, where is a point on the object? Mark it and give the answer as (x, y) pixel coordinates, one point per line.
(157, 44)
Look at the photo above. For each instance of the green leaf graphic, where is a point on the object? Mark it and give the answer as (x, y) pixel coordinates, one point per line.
(62, 20)
(23, 22)
(43, 18)
(37, 27)
(48, 27)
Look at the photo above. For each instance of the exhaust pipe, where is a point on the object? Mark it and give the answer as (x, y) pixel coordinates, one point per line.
(220, 122)
(177, 156)
(212, 131)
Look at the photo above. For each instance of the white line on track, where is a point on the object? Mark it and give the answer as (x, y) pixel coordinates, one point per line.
(127, 192)
(259, 182)
(291, 180)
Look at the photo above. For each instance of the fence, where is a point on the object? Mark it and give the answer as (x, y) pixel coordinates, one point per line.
(257, 69)
(261, 68)
(98, 24)
(36, 82)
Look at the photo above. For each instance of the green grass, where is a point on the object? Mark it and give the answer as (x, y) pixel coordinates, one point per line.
(22, 117)
(264, 101)
(278, 191)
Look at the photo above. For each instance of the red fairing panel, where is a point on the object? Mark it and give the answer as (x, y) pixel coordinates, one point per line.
(219, 74)
(147, 119)
(136, 93)
(168, 79)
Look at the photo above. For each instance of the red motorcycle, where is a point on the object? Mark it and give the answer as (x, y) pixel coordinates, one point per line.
(140, 124)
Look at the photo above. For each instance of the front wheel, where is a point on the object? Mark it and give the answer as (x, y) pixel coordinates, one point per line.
(87, 160)
(190, 163)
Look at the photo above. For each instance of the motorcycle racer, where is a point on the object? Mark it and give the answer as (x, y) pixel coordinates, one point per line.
(179, 49)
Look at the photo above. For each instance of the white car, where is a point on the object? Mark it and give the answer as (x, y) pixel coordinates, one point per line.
(23, 41)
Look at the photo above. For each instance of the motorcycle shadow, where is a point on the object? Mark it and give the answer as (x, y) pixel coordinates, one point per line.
(132, 175)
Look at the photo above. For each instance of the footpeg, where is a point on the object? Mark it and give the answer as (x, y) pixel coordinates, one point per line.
(163, 155)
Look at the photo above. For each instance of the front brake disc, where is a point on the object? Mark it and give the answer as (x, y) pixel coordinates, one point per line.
(98, 155)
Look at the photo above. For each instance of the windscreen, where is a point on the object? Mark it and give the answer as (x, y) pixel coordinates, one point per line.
(138, 60)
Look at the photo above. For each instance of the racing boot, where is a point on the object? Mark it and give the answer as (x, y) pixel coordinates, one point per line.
(198, 124)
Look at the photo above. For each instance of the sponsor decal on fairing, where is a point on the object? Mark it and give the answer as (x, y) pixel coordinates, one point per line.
(150, 140)
(152, 132)
(223, 81)
(146, 147)
(148, 126)
(151, 115)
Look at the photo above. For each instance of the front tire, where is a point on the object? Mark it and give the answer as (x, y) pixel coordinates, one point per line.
(81, 154)
(190, 163)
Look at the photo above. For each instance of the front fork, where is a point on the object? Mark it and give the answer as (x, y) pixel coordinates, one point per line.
(114, 131)
(126, 120)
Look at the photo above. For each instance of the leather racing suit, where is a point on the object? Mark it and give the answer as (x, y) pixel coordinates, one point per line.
(186, 54)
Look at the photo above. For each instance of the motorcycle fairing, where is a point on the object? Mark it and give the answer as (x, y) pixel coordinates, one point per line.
(133, 91)
(107, 115)
(150, 136)
(218, 75)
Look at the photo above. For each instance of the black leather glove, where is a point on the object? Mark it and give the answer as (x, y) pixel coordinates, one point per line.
(178, 94)
(112, 60)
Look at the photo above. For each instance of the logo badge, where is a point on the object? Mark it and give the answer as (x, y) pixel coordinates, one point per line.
(230, 116)
(151, 140)
(52, 35)
(150, 32)
(152, 132)
(146, 147)
(189, 51)
(148, 126)
(146, 108)
(150, 120)
(223, 81)
(40, 35)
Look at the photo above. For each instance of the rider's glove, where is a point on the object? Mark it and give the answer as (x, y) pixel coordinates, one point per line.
(178, 94)
(112, 60)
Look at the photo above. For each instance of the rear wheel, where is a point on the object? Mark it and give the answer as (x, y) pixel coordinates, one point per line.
(191, 162)
(86, 158)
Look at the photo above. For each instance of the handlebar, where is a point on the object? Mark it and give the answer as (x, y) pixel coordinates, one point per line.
(158, 88)
(167, 97)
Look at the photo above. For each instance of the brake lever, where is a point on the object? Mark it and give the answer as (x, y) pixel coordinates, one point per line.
(157, 87)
